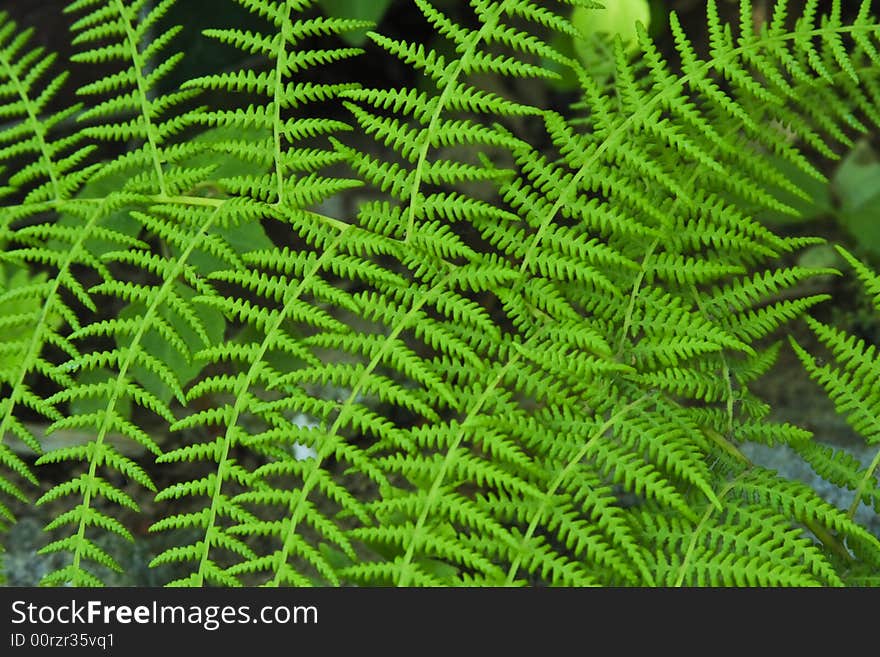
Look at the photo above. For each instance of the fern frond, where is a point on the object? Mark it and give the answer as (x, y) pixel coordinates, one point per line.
(746, 546)
(526, 357)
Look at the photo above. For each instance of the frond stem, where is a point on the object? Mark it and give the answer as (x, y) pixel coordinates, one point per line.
(36, 126)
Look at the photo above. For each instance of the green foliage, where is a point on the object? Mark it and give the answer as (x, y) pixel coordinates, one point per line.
(855, 185)
(850, 198)
(524, 357)
(619, 19)
(371, 12)
(851, 382)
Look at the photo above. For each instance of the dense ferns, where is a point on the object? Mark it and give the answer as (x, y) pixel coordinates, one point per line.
(525, 359)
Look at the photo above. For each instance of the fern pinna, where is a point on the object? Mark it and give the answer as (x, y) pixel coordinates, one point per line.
(526, 357)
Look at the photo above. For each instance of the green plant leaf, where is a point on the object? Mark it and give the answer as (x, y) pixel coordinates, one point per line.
(118, 220)
(19, 310)
(159, 347)
(615, 19)
(85, 405)
(444, 328)
(243, 236)
(856, 184)
(815, 200)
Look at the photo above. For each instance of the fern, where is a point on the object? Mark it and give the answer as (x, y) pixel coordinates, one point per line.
(852, 387)
(524, 359)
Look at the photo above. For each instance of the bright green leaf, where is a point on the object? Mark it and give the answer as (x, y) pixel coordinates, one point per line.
(159, 347)
(856, 184)
(365, 10)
